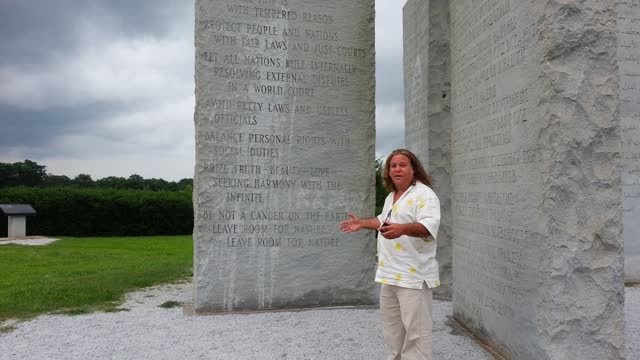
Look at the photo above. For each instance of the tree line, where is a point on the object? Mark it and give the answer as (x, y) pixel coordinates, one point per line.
(31, 174)
(112, 206)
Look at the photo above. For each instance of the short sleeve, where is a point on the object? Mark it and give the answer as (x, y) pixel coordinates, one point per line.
(428, 211)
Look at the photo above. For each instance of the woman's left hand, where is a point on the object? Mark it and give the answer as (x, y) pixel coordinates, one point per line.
(391, 230)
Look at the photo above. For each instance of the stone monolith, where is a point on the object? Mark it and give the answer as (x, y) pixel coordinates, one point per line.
(427, 96)
(536, 180)
(285, 135)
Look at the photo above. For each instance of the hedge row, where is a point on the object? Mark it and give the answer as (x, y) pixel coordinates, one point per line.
(102, 212)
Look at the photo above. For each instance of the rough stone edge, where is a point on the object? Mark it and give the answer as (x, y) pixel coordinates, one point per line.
(196, 176)
(582, 183)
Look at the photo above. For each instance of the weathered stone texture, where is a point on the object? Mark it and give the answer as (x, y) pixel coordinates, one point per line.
(536, 206)
(416, 77)
(285, 135)
(629, 69)
(581, 305)
(428, 111)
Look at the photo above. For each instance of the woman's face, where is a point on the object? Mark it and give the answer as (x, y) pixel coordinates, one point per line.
(401, 172)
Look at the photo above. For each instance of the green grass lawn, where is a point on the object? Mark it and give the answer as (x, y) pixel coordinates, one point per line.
(77, 275)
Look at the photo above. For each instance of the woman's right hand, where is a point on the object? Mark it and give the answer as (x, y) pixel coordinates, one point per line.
(351, 225)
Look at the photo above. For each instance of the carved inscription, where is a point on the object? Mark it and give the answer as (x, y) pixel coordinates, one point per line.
(268, 228)
(495, 162)
(267, 62)
(284, 148)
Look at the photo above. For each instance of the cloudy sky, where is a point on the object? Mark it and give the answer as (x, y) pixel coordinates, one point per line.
(105, 87)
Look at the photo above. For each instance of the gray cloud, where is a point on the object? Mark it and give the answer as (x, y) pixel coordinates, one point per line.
(95, 74)
(106, 87)
(33, 29)
(40, 129)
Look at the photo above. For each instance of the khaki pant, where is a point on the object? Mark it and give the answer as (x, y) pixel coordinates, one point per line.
(406, 316)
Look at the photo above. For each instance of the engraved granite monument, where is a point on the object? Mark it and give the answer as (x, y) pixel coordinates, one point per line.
(535, 178)
(427, 95)
(285, 135)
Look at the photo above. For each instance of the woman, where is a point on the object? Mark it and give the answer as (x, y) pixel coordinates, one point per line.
(407, 267)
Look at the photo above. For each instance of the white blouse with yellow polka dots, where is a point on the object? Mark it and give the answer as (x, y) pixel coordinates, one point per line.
(410, 261)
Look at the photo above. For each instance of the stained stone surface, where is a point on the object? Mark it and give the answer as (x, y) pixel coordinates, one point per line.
(536, 176)
(285, 135)
(427, 96)
(629, 69)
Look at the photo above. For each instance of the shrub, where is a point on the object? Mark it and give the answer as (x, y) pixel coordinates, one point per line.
(66, 211)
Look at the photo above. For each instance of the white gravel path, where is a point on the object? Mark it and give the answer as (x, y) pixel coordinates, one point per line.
(148, 331)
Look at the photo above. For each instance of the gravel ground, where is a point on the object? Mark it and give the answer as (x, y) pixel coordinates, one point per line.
(147, 331)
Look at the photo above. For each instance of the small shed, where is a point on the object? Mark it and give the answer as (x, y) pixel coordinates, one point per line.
(17, 219)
